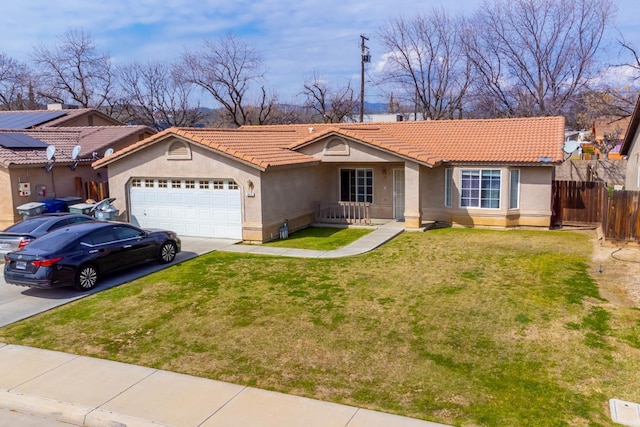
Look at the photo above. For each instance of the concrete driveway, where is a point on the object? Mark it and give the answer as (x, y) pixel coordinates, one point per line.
(17, 302)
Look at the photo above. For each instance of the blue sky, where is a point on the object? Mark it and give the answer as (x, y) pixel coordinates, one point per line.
(295, 38)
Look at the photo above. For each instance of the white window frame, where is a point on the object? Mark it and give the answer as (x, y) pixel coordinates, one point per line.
(463, 201)
(357, 193)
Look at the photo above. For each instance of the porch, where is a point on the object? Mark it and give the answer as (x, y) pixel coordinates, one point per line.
(345, 213)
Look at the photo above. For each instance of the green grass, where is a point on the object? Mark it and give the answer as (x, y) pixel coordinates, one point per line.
(321, 238)
(463, 327)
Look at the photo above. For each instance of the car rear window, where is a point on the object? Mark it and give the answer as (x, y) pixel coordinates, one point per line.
(26, 226)
(54, 241)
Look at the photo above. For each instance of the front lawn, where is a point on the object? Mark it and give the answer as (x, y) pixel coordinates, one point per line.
(458, 326)
(321, 238)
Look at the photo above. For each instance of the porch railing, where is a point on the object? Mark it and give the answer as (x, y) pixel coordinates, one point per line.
(344, 212)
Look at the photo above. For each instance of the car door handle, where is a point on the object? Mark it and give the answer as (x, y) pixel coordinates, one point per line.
(126, 246)
(93, 251)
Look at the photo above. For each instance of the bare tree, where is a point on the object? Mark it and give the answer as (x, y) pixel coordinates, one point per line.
(155, 96)
(74, 69)
(427, 62)
(329, 105)
(16, 87)
(533, 56)
(230, 71)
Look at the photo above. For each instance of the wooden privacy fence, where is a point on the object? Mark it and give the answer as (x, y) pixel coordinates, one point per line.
(343, 212)
(578, 202)
(590, 203)
(621, 216)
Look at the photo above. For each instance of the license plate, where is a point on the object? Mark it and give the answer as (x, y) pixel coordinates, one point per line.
(5, 245)
(21, 265)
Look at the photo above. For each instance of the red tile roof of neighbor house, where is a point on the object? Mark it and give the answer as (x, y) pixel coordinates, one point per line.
(90, 138)
(524, 140)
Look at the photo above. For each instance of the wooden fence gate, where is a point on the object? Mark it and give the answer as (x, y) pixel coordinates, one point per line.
(578, 203)
(621, 216)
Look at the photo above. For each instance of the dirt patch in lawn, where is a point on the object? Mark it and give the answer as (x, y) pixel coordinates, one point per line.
(616, 269)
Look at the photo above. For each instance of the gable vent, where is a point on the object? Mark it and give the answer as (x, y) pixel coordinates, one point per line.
(336, 147)
(179, 150)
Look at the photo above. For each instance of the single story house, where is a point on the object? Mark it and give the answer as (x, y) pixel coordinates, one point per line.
(54, 162)
(631, 149)
(246, 183)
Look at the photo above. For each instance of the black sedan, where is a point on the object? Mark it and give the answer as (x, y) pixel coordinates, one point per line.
(21, 233)
(78, 255)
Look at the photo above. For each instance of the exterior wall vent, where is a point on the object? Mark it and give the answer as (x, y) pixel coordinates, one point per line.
(179, 150)
(336, 147)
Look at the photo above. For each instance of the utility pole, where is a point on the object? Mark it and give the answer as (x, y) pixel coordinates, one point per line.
(365, 58)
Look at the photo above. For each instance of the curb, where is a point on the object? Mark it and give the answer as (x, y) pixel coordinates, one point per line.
(70, 413)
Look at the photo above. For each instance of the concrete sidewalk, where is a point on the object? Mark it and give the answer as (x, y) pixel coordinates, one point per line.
(378, 237)
(85, 391)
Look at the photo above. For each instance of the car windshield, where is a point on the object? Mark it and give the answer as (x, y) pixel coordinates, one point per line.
(26, 226)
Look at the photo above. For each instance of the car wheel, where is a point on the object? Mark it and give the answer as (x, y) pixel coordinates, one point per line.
(86, 278)
(167, 252)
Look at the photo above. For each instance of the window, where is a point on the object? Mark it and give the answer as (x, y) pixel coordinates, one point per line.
(514, 188)
(233, 185)
(162, 183)
(98, 237)
(204, 185)
(480, 188)
(218, 185)
(136, 182)
(356, 185)
(190, 183)
(175, 183)
(448, 187)
(125, 233)
(148, 183)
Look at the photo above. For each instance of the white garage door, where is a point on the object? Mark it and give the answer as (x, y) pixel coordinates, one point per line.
(190, 207)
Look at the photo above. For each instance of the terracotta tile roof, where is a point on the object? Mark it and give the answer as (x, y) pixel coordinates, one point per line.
(520, 140)
(257, 146)
(90, 139)
(525, 140)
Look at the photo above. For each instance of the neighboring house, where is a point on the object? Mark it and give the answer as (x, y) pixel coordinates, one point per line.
(246, 183)
(53, 117)
(27, 175)
(631, 149)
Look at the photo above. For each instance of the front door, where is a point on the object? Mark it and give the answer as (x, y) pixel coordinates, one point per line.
(398, 193)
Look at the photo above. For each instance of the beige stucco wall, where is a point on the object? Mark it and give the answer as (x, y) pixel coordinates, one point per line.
(6, 203)
(60, 182)
(153, 162)
(535, 199)
(632, 180)
(89, 120)
(356, 156)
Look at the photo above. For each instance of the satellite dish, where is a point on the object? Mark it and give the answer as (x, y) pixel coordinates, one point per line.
(51, 152)
(108, 152)
(75, 152)
(48, 167)
(570, 146)
(74, 165)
